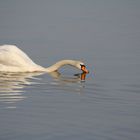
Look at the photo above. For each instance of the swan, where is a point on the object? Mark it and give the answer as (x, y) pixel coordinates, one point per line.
(13, 59)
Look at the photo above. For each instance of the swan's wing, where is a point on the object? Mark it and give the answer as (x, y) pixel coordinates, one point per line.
(10, 55)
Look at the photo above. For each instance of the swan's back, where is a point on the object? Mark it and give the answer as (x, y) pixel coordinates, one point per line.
(12, 55)
(14, 59)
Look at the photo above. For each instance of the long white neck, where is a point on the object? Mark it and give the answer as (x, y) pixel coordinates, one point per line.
(61, 63)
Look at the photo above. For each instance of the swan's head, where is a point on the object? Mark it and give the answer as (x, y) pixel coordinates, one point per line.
(80, 65)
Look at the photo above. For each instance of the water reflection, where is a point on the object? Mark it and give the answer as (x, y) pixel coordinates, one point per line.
(12, 85)
(72, 79)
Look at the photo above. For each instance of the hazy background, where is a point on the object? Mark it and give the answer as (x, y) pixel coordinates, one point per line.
(106, 36)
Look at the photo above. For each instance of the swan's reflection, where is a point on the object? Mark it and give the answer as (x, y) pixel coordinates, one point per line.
(12, 85)
(74, 84)
(75, 78)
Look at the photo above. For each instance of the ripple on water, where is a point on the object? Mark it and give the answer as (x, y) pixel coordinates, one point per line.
(13, 86)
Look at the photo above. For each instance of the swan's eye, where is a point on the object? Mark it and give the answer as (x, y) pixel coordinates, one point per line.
(82, 65)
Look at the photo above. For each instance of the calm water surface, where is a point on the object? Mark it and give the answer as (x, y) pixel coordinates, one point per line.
(41, 106)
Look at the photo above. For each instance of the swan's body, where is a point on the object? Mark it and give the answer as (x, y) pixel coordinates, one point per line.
(12, 59)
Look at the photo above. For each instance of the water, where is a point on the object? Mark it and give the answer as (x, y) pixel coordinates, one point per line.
(104, 34)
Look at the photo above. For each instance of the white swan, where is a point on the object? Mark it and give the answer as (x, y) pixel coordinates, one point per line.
(12, 59)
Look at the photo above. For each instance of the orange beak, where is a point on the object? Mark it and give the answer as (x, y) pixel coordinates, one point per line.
(83, 68)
